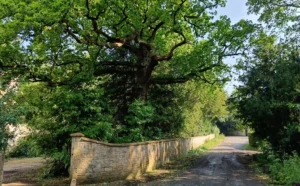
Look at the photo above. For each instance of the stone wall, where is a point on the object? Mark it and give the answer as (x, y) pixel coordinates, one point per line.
(95, 161)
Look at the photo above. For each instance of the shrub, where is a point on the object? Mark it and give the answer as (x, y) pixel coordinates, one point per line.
(283, 170)
(27, 147)
(286, 171)
(253, 140)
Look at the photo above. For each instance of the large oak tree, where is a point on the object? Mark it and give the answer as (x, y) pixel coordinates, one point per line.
(149, 42)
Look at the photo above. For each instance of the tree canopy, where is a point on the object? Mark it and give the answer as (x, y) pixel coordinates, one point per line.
(152, 42)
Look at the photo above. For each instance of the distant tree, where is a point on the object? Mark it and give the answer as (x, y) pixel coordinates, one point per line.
(201, 105)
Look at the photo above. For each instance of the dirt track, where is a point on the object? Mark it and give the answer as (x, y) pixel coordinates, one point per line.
(18, 172)
(222, 166)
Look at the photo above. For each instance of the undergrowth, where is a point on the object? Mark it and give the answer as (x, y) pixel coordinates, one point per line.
(283, 170)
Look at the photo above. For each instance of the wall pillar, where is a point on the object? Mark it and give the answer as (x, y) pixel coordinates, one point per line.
(75, 152)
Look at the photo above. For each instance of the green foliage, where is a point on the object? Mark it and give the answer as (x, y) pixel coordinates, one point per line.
(276, 13)
(139, 114)
(146, 41)
(168, 120)
(55, 113)
(253, 140)
(286, 171)
(269, 98)
(283, 170)
(9, 114)
(201, 106)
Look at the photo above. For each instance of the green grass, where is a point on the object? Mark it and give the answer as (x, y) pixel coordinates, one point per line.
(212, 143)
(249, 147)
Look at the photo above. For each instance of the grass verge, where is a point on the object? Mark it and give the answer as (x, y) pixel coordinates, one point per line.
(249, 147)
(193, 155)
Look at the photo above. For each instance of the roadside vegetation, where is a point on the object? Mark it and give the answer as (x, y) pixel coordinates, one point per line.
(268, 100)
(275, 169)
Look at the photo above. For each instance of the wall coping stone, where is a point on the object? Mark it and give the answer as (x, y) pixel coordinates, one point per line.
(77, 135)
(129, 144)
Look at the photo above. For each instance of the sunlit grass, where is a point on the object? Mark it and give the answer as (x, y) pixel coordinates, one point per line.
(249, 147)
(211, 143)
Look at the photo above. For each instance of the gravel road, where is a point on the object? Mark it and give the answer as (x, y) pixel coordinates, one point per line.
(221, 166)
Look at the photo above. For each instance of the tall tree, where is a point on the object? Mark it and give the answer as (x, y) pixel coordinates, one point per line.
(59, 40)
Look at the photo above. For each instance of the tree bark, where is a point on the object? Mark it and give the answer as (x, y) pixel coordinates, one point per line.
(146, 65)
(2, 155)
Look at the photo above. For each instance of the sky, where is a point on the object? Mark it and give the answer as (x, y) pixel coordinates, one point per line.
(235, 10)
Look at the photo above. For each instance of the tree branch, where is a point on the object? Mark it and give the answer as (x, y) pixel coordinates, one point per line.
(175, 80)
(168, 80)
(94, 20)
(177, 10)
(170, 55)
(152, 37)
(284, 4)
(118, 63)
(99, 72)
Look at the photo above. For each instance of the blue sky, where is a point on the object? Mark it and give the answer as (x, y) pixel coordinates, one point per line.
(235, 10)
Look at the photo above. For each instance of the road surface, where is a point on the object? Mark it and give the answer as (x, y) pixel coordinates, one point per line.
(19, 172)
(221, 166)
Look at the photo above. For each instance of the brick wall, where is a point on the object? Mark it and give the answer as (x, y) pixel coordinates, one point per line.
(95, 161)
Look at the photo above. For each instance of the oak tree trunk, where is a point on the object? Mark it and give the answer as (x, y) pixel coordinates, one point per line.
(144, 71)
